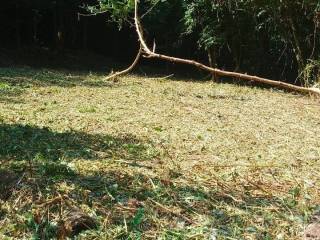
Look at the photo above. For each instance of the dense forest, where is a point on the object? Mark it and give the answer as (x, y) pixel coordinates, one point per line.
(275, 39)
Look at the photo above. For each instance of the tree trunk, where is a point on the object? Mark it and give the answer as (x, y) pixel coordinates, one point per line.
(213, 62)
(74, 26)
(85, 34)
(17, 28)
(35, 27)
(237, 56)
(297, 48)
(59, 26)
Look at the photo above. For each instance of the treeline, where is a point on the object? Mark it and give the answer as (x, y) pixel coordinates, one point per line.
(273, 38)
(268, 36)
(41, 22)
(279, 38)
(59, 25)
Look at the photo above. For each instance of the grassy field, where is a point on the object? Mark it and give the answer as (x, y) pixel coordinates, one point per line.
(154, 158)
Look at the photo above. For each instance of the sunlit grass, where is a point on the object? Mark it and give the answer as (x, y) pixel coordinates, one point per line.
(155, 159)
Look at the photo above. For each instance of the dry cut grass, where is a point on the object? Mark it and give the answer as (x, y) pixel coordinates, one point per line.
(154, 158)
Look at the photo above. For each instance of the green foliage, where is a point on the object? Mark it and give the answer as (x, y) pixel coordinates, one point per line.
(7, 89)
(310, 75)
(119, 10)
(137, 220)
(198, 17)
(43, 230)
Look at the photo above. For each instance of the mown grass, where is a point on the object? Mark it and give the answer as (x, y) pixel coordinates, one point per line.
(155, 158)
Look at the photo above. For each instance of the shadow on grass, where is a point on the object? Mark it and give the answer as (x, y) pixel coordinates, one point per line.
(25, 77)
(20, 142)
(127, 203)
(9, 92)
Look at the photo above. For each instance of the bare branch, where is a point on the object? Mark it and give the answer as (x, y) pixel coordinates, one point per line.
(135, 62)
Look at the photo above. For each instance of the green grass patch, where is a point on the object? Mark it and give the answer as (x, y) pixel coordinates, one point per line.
(151, 159)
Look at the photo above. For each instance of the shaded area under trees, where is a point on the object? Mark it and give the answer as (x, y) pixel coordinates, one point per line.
(258, 37)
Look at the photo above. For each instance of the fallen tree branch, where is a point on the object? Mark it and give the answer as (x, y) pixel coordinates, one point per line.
(135, 62)
(152, 54)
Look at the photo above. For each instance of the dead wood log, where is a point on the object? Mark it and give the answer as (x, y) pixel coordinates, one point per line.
(147, 53)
